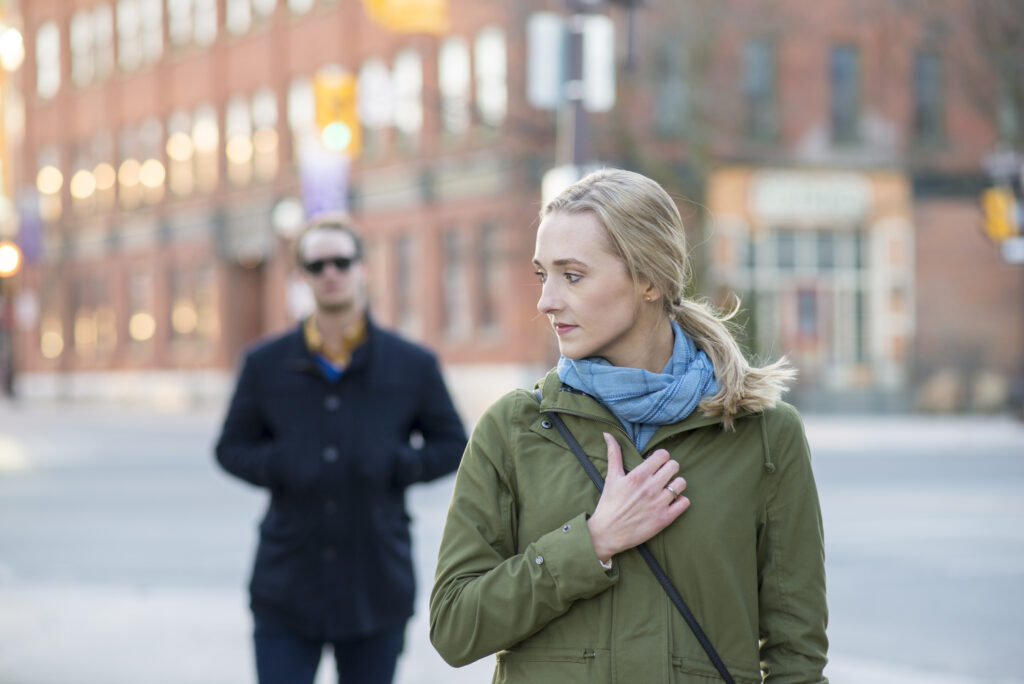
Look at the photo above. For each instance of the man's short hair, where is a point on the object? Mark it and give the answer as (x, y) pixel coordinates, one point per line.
(339, 222)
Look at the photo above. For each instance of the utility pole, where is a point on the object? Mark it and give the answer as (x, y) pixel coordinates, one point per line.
(571, 142)
(582, 44)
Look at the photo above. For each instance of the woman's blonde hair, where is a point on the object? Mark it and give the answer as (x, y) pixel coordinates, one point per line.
(645, 230)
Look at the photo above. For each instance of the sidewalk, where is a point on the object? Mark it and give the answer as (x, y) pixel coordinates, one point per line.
(130, 626)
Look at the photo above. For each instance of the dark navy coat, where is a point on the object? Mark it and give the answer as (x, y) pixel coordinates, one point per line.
(334, 559)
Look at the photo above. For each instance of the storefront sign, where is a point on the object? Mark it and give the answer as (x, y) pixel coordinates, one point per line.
(808, 198)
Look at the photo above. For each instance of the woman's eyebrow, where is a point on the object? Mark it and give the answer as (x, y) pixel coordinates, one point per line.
(564, 262)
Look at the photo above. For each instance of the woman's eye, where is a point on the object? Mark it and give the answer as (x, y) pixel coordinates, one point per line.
(540, 275)
(573, 277)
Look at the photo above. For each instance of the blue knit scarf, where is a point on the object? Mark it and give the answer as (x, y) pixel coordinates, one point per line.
(643, 401)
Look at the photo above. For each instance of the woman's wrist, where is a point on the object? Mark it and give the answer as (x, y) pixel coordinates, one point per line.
(604, 553)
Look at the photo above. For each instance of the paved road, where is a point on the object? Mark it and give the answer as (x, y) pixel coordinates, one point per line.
(124, 551)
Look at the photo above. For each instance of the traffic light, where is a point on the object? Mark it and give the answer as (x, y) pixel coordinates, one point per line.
(336, 111)
(1000, 208)
(409, 16)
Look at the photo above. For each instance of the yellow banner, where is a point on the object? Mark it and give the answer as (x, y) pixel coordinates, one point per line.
(409, 16)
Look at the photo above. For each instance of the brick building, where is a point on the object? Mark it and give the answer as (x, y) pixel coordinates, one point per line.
(830, 159)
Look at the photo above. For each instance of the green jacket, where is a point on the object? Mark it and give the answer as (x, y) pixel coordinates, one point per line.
(517, 574)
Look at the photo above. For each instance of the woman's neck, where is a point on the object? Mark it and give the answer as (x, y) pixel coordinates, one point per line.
(662, 344)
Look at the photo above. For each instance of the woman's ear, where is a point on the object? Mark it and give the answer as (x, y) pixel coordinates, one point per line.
(648, 292)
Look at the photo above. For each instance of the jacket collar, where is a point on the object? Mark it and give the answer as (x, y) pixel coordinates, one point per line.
(301, 359)
(572, 402)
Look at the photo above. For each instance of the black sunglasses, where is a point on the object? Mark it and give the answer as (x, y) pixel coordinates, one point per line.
(317, 266)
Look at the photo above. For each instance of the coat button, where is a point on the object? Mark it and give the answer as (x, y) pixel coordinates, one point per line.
(330, 454)
(539, 560)
(329, 553)
(566, 527)
(332, 402)
(330, 506)
(545, 424)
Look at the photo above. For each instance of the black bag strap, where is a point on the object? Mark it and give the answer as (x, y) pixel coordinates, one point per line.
(645, 553)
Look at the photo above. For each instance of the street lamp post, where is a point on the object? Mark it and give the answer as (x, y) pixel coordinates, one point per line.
(10, 263)
(12, 53)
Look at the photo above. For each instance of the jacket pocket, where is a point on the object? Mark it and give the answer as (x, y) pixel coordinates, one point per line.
(704, 671)
(547, 665)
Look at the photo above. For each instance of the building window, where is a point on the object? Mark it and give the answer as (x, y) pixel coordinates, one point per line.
(785, 250)
(300, 6)
(51, 322)
(491, 67)
(193, 306)
(859, 326)
(408, 81)
(152, 174)
(263, 8)
(238, 131)
(83, 184)
(207, 315)
(142, 324)
(672, 96)
(49, 183)
(102, 41)
(238, 16)
(264, 137)
(844, 79)
(759, 83)
(179, 21)
(929, 126)
(180, 154)
(80, 38)
(206, 142)
(129, 191)
(129, 45)
(453, 67)
(192, 21)
(489, 263)
(300, 114)
(826, 250)
(141, 174)
(454, 293)
(807, 313)
(405, 269)
(184, 319)
(95, 327)
(47, 60)
(103, 173)
(152, 27)
(1008, 116)
(376, 103)
(205, 22)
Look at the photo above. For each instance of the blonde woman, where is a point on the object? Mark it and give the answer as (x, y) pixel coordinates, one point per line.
(702, 462)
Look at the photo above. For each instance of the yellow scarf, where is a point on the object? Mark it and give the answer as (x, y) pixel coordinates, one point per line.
(339, 352)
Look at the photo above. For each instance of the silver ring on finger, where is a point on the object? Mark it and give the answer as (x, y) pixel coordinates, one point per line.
(674, 492)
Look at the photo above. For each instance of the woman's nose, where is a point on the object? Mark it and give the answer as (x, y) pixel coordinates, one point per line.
(549, 301)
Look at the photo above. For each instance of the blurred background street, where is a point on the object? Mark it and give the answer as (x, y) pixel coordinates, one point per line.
(124, 551)
(853, 172)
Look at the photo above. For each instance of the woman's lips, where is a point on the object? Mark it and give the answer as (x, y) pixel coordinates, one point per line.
(562, 328)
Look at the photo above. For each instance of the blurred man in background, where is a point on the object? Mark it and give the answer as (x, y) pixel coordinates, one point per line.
(335, 418)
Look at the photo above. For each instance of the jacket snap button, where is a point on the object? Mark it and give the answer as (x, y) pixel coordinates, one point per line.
(332, 403)
(330, 454)
(545, 424)
(566, 527)
(539, 560)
